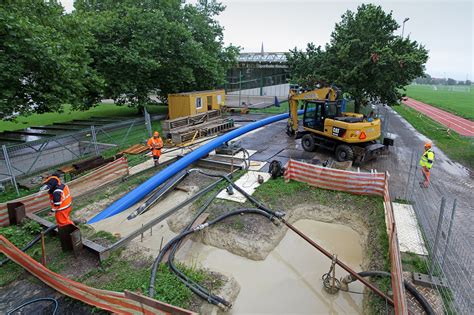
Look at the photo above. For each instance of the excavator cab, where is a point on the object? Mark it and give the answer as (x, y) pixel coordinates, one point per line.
(315, 113)
(351, 136)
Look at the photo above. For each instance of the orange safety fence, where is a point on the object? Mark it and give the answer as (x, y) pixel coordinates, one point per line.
(363, 184)
(116, 302)
(82, 185)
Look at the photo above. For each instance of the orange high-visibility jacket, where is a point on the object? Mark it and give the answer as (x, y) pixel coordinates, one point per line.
(61, 198)
(155, 145)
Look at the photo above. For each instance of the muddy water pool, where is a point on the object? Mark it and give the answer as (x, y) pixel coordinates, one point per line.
(289, 281)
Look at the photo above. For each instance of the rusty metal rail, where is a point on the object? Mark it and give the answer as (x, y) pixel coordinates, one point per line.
(340, 263)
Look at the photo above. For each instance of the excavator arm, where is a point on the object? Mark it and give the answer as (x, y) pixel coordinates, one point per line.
(321, 94)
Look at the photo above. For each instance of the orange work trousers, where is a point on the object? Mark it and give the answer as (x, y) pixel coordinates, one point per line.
(426, 175)
(62, 217)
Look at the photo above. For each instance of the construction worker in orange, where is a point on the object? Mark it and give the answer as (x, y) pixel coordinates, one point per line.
(155, 144)
(426, 163)
(60, 199)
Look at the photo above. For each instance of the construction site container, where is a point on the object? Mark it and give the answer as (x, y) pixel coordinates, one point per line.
(192, 103)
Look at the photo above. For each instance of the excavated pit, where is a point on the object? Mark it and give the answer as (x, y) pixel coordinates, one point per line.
(268, 268)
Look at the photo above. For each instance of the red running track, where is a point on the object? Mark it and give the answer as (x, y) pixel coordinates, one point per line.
(460, 125)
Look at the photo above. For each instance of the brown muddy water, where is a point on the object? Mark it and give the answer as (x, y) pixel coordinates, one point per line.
(289, 281)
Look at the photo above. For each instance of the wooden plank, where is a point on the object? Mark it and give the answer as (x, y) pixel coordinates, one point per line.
(136, 149)
(162, 307)
(200, 220)
(94, 247)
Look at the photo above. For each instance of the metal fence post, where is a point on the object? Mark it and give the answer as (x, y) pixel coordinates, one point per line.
(94, 140)
(448, 238)
(240, 86)
(9, 168)
(409, 174)
(438, 232)
(148, 122)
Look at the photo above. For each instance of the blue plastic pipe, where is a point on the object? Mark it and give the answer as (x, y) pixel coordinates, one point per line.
(147, 187)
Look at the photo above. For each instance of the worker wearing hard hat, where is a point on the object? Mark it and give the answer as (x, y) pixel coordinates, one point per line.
(426, 162)
(155, 144)
(60, 199)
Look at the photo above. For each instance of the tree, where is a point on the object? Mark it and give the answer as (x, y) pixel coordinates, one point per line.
(366, 59)
(43, 61)
(155, 47)
(451, 81)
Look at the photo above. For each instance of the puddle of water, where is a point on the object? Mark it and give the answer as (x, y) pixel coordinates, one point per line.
(289, 279)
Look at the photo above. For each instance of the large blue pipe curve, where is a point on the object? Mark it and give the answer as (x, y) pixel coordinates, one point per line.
(147, 187)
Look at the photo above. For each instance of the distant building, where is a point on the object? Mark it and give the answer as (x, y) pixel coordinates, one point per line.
(258, 69)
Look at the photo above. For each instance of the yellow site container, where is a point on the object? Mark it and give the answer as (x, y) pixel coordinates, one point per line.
(192, 103)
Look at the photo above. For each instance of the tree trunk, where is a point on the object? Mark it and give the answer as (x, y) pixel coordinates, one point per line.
(357, 105)
(141, 110)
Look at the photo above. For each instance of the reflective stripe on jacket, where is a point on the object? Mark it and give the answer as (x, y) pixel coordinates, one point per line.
(155, 145)
(61, 198)
(427, 159)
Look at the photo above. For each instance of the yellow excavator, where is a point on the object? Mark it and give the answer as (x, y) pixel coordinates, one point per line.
(351, 136)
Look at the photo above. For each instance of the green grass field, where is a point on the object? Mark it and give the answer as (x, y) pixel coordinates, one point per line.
(458, 100)
(105, 110)
(457, 147)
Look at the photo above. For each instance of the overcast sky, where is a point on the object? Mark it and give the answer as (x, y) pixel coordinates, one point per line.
(445, 28)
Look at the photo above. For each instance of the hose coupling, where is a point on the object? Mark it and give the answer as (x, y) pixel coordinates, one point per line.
(280, 214)
(201, 227)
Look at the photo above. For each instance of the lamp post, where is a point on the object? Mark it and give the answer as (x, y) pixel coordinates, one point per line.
(403, 25)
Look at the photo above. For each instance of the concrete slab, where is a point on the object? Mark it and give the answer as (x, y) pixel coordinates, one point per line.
(409, 234)
(248, 182)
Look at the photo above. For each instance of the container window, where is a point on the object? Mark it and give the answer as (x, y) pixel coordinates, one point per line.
(198, 103)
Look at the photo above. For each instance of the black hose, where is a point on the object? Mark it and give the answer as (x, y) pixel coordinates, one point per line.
(56, 305)
(256, 202)
(31, 243)
(195, 287)
(410, 288)
(151, 290)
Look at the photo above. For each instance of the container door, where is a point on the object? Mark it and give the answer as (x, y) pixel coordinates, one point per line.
(209, 102)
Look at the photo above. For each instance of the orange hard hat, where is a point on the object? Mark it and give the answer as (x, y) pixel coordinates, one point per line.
(428, 145)
(156, 134)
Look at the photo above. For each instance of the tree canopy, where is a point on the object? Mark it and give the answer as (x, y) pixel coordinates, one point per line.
(364, 57)
(156, 47)
(44, 61)
(119, 49)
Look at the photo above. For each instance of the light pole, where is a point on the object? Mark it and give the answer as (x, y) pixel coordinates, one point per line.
(403, 25)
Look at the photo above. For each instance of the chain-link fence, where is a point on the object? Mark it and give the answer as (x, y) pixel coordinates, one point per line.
(445, 221)
(23, 160)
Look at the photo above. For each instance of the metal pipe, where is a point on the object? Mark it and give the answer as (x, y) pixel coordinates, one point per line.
(147, 187)
(340, 263)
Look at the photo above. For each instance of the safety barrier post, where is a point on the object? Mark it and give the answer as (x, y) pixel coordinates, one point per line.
(9, 168)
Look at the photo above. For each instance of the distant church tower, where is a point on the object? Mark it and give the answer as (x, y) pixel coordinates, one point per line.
(261, 50)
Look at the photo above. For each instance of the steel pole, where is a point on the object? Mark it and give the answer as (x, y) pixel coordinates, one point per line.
(438, 232)
(240, 86)
(448, 238)
(9, 168)
(148, 122)
(94, 139)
